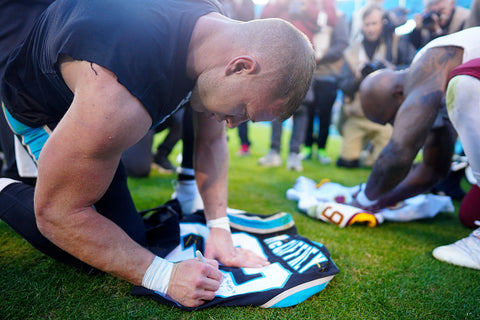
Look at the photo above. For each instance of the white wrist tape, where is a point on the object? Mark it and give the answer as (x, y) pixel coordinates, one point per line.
(222, 223)
(362, 198)
(157, 276)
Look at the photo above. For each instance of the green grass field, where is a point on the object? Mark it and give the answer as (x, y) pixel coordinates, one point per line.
(386, 272)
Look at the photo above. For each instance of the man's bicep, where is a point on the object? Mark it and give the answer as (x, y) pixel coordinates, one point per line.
(415, 119)
(83, 152)
(104, 107)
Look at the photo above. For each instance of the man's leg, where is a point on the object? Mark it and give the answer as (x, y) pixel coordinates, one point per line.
(273, 159)
(244, 141)
(353, 135)
(469, 210)
(186, 190)
(294, 160)
(276, 141)
(328, 94)
(298, 129)
(17, 210)
(327, 91)
(308, 140)
(160, 159)
(9, 168)
(463, 108)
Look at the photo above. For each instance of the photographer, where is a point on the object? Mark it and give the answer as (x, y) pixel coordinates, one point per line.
(378, 49)
(440, 17)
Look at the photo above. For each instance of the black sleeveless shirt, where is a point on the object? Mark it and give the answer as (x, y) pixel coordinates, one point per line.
(143, 42)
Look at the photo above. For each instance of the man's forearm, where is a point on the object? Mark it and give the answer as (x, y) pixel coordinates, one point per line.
(420, 179)
(211, 172)
(391, 167)
(100, 243)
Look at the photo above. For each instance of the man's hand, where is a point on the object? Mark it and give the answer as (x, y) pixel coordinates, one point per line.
(219, 246)
(375, 207)
(193, 282)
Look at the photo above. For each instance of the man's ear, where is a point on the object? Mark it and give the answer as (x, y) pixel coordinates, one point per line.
(241, 64)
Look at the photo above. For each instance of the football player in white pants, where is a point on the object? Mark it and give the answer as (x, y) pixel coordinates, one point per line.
(463, 105)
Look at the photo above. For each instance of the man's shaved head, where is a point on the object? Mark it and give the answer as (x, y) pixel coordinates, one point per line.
(381, 94)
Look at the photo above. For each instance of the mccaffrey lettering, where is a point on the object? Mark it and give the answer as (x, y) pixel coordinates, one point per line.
(298, 254)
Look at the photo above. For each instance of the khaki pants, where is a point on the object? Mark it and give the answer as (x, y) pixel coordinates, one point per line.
(357, 133)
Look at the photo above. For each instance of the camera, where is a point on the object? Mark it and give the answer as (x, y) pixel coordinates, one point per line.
(371, 67)
(428, 18)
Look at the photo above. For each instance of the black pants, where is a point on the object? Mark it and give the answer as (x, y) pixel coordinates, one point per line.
(325, 93)
(16, 209)
(188, 137)
(243, 133)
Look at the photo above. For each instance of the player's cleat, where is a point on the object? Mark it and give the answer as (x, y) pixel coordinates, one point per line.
(464, 252)
(294, 162)
(306, 153)
(323, 158)
(272, 159)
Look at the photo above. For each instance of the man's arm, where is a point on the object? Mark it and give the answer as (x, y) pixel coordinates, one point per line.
(76, 167)
(424, 89)
(338, 42)
(211, 164)
(211, 170)
(435, 165)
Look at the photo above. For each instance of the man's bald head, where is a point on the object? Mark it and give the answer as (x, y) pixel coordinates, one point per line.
(381, 94)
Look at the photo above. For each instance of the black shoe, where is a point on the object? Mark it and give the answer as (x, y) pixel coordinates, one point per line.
(348, 163)
(162, 164)
(450, 186)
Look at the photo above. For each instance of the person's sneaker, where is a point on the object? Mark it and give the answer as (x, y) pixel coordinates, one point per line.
(162, 164)
(465, 252)
(272, 159)
(306, 153)
(294, 162)
(244, 150)
(323, 158)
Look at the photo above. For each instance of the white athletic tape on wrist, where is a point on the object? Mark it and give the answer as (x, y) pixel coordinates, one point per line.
(222, 223)
(157, 276)
(362, 198)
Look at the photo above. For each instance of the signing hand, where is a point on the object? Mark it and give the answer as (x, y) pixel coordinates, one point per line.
(193, 282)
(219, 246)
(373, 208)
